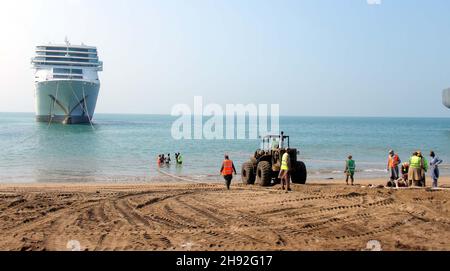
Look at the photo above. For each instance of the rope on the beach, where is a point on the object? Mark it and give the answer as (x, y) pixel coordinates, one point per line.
(179, 177)
(438, 188)
(410, 187)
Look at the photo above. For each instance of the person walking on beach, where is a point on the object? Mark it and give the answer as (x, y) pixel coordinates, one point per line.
(434, 163)
(350, 167)
(285, 171)
(227, 171)
(417, 168)
(392, 166)
(168, 159)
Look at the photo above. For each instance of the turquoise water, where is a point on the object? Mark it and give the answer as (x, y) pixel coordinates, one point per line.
(124, 147)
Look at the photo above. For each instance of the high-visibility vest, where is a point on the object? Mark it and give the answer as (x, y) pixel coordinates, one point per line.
(227, 167)
(393, 161)
(418, 162)
(285, 161)
(415, 162)
(351, 165)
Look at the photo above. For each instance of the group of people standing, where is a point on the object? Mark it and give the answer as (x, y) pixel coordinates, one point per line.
(413, 172)
(165, 160)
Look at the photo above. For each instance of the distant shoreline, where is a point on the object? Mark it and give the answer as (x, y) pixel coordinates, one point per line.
(443, 181)
(281, 116)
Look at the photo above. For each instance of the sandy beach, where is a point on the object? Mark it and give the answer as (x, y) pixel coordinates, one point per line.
(322, 215)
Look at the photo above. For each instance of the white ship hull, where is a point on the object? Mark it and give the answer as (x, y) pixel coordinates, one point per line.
(446, 97)
(66, 82)
(66, 101)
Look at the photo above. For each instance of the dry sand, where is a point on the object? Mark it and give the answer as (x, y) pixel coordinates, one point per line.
(317, 216)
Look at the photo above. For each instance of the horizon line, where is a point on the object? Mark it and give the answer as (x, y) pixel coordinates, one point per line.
(311, 116)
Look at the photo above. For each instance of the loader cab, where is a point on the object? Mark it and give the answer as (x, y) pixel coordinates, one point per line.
(274, 142)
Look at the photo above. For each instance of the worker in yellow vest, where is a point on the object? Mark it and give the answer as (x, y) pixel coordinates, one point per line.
(227, 171)
(418, 166)
(285, 171)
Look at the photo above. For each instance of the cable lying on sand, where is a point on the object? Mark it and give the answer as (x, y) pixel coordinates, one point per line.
(179, 177)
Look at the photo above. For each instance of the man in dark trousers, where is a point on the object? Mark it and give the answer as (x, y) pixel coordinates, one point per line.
(227, 170)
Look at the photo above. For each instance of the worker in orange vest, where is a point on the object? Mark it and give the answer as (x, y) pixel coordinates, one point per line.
(227, 171)
(392, 166)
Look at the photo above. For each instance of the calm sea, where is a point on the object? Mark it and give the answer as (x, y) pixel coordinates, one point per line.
(124, 147)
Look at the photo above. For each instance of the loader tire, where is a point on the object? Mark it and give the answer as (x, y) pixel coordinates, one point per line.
(264, 173)
(247, 174)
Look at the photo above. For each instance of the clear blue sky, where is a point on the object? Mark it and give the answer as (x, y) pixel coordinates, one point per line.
(313, 57)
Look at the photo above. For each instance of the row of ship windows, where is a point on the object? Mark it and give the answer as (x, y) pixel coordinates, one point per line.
(65, 64)
(57, 76)
(71, 71)
(66, 59)
(66, 49)
(65, 54)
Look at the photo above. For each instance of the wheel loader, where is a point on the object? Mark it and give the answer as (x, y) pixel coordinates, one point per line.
(264, 166)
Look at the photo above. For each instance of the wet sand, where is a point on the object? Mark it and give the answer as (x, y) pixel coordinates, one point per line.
(323, 215)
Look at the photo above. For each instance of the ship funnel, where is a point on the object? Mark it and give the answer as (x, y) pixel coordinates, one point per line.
(446, 97)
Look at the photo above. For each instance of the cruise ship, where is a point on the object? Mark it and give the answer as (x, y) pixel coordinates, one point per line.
(66, 82)
(446, 97)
